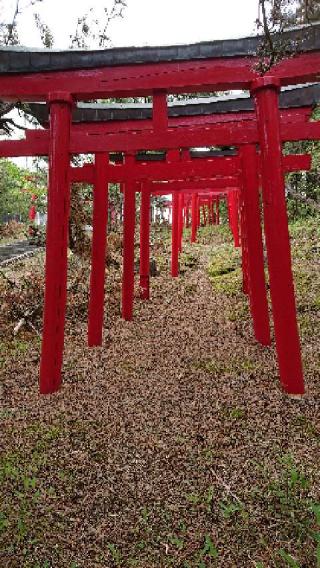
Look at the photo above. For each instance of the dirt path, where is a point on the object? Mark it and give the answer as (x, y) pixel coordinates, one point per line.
(170, 446)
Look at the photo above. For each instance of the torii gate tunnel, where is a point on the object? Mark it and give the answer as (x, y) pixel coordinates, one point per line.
(255, 132)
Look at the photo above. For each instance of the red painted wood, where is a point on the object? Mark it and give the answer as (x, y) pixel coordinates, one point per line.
(160, 111)
(145, 243)
(98, 252)
(56, 245)
(217, 210)
(85, 174)
(244, 247)
(175, 236)
(277, 239)
(37, 142)
(233, 133)
(303, 68)
(296, 115)
(204, 215)
(296, 162)
(141, 80)
(234, 216)
(194, 215)
(187, 216)
(257, 283)
(129, 214)
(133, 80)
(213, 210)
(180, 225)
(206, 184)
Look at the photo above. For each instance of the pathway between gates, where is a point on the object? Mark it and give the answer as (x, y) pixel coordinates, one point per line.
(162, 446)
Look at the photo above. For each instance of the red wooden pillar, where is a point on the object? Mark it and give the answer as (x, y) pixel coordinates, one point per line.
(217, 218)
(234, 216)
(266, 94)
(180, 235)
(187, 216)
(175, 235)
(56, 243)
(145, 242)
(194, 218)
(129, 217)
(255, 262)
(211, 210)
(244, 247)
(204, 214)
(98, 251)
(229, 198)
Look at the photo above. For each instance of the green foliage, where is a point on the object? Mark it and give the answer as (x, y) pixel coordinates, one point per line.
(304, 187)
(115, 553)
(290, 561)
(16, 189)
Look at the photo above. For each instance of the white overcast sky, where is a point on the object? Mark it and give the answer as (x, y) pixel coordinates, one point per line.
(148, 22)
(145, 22)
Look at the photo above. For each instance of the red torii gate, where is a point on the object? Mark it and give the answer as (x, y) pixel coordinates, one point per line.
(150, 78)
(96, 314)
(291, 163)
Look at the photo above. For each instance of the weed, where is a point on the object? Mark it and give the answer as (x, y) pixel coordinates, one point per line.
(208, 551)
(288, 558)
(237, 413)
(230, 508)
(176, 541)
(209, 498)
(115, 554)
(194, 498)
(145, 515)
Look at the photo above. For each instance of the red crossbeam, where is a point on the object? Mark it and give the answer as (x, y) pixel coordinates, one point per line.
(140, 80)
(37, 141)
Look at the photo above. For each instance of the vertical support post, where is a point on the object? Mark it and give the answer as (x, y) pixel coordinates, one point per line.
(180, 236)
(175, 236)
(257, 284)
(266, 95)
(194, 217)
(213, 210)
(129, 218)
(145, 242)
(160, 111)
(234, 216)
(210, 210)
(56, 243)
(187, 216)
(217, 219)
(98, 250)
(244, 247)
(204, 214)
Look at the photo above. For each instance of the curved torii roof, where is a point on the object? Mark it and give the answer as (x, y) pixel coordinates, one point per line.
(100, 112)
(26, 60)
